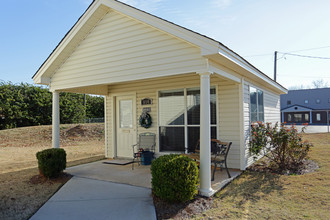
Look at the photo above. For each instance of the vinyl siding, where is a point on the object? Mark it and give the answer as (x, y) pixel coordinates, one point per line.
(228, 123)
(271, 114)
(119, 49)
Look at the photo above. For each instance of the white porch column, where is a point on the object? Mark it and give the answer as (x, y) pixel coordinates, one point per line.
(205, 136)
(56, 120)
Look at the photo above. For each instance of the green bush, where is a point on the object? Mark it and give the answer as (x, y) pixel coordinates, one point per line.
(283, 146)
(51, 162)
(174, 178)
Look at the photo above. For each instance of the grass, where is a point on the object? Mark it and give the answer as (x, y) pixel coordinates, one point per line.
(18, 146)
(258, 195)
(253, 195)
(22, 192)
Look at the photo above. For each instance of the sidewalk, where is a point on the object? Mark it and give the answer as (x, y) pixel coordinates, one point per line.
(87, 198)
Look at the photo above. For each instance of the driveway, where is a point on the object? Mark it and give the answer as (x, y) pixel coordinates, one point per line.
(91, 196)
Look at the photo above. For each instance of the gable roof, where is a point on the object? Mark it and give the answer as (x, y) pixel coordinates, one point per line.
(210, 48)
(296, 108)
(298, 97)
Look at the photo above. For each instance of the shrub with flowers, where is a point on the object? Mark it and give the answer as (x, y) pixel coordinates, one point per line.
(282, 145)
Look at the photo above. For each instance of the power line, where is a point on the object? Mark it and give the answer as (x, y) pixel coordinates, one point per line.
(315, 48)
(306, 56)
(271, 54)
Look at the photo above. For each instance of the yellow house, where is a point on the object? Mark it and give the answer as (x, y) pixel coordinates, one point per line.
(193, 87)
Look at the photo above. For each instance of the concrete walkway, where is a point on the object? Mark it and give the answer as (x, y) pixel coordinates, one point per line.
(90, 198)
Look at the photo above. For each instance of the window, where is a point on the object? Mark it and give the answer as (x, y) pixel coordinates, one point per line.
(289, 117)
(318, 101)
(306, 117)
(179, 118)
(329, 100)
(126, 115)
(257, 105)
(289, 102)
(318, 117)
(306, 101)
(297, 118)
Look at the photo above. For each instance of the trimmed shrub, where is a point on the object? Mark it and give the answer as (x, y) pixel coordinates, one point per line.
(51, 162)
(174, 178)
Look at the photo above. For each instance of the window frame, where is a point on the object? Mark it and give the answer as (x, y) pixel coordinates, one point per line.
(257, 102)
(185, 124)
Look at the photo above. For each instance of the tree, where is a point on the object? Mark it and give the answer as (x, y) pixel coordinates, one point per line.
(320, 83)
(27, 105)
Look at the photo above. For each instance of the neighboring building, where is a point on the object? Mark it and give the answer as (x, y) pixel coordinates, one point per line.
(197, 88)
(310, 106)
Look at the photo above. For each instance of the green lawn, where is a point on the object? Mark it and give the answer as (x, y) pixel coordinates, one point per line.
(257, 195)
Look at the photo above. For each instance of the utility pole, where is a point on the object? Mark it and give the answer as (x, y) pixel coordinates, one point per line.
(275, 64)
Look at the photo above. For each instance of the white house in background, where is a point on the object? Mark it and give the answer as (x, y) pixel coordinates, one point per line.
(199, 88)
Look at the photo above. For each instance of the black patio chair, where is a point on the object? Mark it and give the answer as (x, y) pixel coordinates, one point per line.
(219, 155)
(147, 142)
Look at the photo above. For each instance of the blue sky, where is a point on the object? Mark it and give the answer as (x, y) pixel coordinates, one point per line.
(30, 30)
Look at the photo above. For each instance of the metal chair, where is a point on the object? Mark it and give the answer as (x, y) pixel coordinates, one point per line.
(219, 155)
(147, 142)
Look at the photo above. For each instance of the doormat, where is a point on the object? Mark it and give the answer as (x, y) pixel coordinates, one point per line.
(118, 162)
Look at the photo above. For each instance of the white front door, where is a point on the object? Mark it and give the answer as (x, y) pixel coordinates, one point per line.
(126, 125)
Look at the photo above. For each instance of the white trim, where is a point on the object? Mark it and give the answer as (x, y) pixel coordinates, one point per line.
(224, 72)
(185, 121)
(205, 136)
(106, 138)
(56, 120)
(248, 67)
(242, 133)
(113, 119)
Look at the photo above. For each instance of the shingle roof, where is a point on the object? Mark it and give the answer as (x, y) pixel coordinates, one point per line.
(298, 97)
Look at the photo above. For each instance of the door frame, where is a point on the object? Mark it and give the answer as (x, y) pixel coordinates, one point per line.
(114, 118)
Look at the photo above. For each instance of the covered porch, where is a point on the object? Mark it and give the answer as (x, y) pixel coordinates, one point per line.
(140, 176)
(185, 109)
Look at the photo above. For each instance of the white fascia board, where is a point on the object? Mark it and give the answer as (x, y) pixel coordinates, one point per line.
(223, 73)
(67, 39)
(41, 80)
(243, 64)
(207, 45)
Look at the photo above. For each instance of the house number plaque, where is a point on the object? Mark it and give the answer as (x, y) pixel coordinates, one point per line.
(147, 109)
(146, 101)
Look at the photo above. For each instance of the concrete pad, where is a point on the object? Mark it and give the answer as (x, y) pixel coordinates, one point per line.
(83, 198)
(221, 178)
(140, 176)
(314, 128)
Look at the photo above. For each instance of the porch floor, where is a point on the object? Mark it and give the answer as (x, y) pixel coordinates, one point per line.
(140, 176)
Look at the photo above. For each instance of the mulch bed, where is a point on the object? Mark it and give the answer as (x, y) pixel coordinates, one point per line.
(185, 210)
(307, 166)
(40, 179)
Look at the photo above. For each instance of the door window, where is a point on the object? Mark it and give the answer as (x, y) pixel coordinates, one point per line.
(125, 114)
